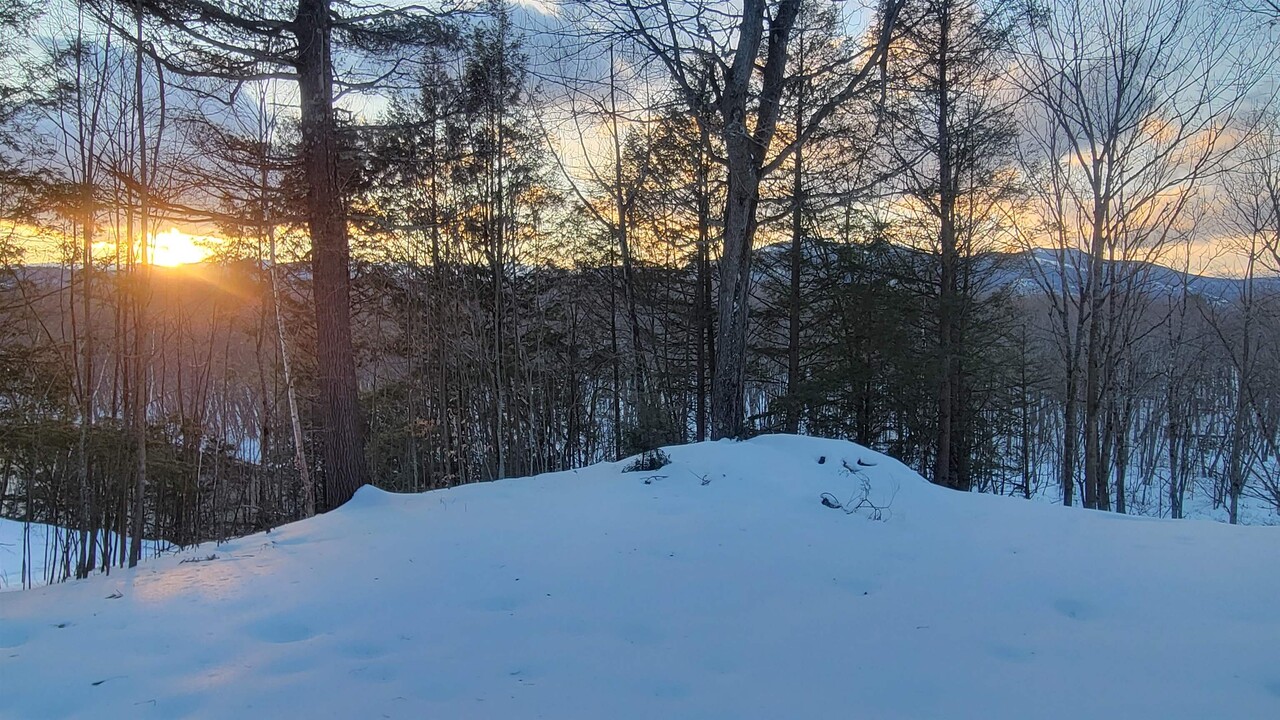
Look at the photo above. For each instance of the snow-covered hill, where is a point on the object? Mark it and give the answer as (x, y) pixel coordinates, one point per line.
(717, 587)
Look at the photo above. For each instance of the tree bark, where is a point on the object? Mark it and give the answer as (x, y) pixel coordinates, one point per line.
(346, 469)
(1093, 471)
(140, 289)
(943, 470)
(745, 151)
(729, 380)
(705, 315)
(797, 246)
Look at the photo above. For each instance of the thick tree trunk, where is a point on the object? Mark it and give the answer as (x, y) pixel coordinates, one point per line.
(345, 466)
(746, 151)
(729, 381)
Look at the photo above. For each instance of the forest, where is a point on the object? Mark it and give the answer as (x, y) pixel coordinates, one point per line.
(256, 254)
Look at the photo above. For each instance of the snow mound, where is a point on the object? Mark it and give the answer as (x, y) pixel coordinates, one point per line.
(718, 586)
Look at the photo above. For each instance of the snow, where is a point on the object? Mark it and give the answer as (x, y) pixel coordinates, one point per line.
(716, 587)
(48, 550)
(11, 552)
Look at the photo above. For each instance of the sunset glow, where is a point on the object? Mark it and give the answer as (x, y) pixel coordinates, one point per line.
(174, 247)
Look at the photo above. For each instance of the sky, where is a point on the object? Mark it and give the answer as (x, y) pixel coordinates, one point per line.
(542, 22)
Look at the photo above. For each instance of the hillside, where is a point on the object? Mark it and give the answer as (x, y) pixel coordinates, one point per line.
(717, 587)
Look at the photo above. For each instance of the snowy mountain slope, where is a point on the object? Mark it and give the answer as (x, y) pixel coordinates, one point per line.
(1030, 272)
(593, 594)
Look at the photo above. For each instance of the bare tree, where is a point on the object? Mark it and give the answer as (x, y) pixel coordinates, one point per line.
(1254, 217)
(744, 55)
(1134, 106)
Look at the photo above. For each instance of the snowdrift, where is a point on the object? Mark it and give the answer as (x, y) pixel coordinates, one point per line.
(719, 586)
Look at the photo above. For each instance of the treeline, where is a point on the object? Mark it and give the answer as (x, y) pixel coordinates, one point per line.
(965, 233)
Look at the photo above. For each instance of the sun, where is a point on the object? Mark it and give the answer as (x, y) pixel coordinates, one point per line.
(175, 248)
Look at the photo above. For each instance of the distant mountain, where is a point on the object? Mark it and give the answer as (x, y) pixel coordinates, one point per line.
(1029, 272)
(1032, 272)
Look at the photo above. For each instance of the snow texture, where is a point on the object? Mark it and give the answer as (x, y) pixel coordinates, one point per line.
(716, 587)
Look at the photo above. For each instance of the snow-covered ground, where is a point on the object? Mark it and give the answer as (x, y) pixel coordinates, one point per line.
(44, 551)
(13, 544)
(38, 550)
(1150, 499)
(716, 587)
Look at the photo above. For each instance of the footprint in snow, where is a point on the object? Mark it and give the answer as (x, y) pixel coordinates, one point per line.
(279, 630)
(1075, 609)
(13, 635)
(1011, 653)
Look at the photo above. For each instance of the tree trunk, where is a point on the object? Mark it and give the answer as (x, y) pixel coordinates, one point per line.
(616, 363)
(86, 560)
(639, 390)
(943, 470)
(705, 316)
(1093, 471)
(1123, 452)
(797, 247)
(1173, 434)
(345, 466)
(729, 381)
(291, 394)
(140, 288)
(1070, 440)
(746, 151)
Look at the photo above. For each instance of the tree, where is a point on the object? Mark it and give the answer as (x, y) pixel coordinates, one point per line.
(459, 190)
(953, 135)
(835, 165)
(1254, 215)
(1132, 106)
(15, 17)
(744, 56)
(246, 42)
(1267, 10)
